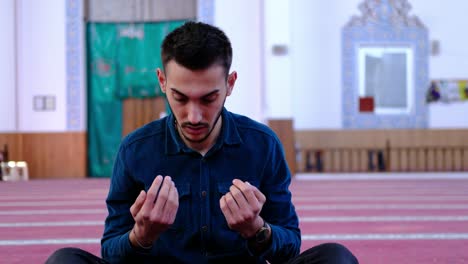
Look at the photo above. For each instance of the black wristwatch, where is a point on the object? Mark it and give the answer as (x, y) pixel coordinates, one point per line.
(262, 234)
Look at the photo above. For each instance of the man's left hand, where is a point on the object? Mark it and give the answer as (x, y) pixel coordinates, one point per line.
(241, 207)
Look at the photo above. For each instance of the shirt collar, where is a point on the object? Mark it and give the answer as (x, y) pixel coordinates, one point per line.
(229, 134)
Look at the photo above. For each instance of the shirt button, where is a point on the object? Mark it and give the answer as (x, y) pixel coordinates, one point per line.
(204, 228)
(203, 194)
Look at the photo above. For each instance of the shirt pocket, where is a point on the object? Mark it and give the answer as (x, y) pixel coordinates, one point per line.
(226, 242)
(181, 222)
(224, 187)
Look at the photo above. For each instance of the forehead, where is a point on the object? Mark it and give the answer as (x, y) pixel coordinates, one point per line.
(178, 73)
(194, 83)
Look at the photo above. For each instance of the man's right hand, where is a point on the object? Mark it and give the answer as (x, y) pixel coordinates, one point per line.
(154, 212)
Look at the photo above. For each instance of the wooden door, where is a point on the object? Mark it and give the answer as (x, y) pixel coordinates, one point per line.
(138, 112)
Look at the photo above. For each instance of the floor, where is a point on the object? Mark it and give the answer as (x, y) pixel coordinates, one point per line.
(381, 218)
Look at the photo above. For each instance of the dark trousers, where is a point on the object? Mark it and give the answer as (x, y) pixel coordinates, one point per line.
(329, 253)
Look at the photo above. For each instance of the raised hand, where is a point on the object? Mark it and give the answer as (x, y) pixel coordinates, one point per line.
(154, 212)
(241, 207)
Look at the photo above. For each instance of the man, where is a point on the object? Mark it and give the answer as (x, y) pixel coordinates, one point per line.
(202, 185)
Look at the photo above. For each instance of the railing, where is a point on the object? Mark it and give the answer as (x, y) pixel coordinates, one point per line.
(387, 158)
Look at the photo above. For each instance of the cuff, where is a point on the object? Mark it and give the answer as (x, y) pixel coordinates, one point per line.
(125, 238)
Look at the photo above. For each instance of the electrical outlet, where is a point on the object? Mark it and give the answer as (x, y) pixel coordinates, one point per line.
(49, 103)
(44, 103)
(38, 103)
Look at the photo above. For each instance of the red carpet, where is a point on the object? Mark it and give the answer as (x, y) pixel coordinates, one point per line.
(381, 221)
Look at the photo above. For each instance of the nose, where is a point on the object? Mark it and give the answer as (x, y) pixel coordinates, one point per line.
(194, 114)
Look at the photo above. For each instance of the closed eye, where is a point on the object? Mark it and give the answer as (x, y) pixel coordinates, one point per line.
(210, 98)
(179, 97)
(181, 100)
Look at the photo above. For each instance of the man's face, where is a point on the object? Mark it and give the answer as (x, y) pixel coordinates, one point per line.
(196, 98)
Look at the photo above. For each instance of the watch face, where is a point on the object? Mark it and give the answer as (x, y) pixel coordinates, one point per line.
(261, 235)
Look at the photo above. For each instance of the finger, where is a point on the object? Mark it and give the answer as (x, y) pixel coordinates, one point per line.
(175, 198)
(163, 195)
(225, 209)
(176, 194)
(239, 197)
(260, 196)
(172, 204)
(135, 208)
(151, 195)
(248, 190)
(232, 205)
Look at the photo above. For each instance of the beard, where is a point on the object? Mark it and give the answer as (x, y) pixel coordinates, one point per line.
(180, 126)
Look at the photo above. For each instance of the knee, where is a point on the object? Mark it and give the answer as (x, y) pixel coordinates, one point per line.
(64, 255)
(337, 253)
(330, 253)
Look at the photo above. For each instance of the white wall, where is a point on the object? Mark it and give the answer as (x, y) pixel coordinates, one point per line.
(316, 57)
(316, 63)
(7, 67)
(41, 63)
(454, 115)
(443, 18)
(278, 89)
(241, 20)
(263, 90)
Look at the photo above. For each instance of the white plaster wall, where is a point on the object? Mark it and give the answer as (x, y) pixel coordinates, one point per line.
(242, 21)
(316, 61)
(446, 23)
(450, 116)
(41, 63)
(278, 83)
(7, 67)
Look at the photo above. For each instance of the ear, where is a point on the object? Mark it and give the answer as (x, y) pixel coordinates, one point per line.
(161, 79)
(231, 80)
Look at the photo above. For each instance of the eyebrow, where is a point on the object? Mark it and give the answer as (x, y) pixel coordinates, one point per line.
(206, 95)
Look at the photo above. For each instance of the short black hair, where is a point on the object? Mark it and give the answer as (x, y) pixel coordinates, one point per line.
(197, 46)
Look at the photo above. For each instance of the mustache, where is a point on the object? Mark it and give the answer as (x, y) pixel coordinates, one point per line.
(198, 125)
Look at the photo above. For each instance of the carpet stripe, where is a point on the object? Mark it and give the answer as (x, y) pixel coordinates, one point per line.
(50, 241)
(55, 211)
(50, 224)
(428, 218)
(51, 203)
(381, 176)
(381, 207)
(380, 198)
(420, 236)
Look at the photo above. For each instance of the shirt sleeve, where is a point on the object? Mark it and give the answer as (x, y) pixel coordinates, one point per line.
(123, 191)
(278, 209)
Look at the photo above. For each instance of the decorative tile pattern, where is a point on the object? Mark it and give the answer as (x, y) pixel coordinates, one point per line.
(384, 22)
(74, 64)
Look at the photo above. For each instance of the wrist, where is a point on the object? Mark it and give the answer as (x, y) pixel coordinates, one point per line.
(138, 242)
(262, 239)
(256, 226)
(263, 234)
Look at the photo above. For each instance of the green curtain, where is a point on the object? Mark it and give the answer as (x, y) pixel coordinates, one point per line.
(122, 59)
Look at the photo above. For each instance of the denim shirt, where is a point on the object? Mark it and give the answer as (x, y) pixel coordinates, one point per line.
(245, 150)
